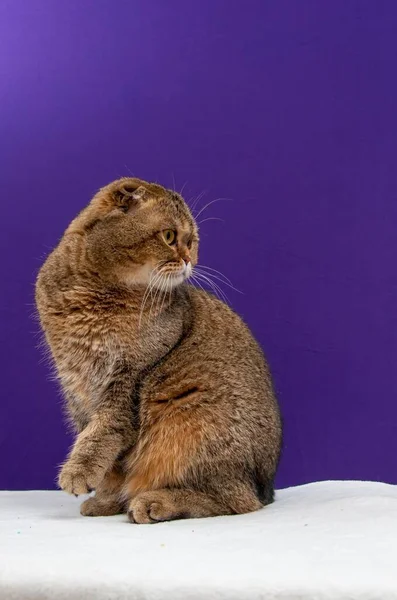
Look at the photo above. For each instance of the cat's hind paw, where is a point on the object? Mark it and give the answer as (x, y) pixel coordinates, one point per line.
(152, 507)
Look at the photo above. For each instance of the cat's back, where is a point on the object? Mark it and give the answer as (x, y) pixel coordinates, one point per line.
(222, 331)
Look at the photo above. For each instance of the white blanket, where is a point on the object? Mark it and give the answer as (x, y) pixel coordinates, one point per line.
(333, 540)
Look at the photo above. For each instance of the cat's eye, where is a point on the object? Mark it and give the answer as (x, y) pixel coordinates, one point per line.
(169, 236)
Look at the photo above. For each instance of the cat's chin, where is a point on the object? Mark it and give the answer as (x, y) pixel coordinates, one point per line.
(171, 282)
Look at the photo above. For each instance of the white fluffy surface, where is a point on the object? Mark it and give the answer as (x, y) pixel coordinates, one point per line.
(331, 540)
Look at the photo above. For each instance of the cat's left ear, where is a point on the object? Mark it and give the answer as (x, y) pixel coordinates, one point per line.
(129, 196)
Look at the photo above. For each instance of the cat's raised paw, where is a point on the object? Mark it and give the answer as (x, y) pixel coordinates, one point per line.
(76, 479)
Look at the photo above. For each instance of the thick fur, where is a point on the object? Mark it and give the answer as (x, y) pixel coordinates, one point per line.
(172, 400)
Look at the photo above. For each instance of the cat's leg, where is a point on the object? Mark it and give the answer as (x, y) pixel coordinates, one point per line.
(169, 504)
(110, 432)
(193, 459)
(108, 496)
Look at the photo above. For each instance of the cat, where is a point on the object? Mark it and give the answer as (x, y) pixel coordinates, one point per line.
(169, 393)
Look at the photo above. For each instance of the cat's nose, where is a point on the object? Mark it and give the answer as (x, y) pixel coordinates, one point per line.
(186, 260)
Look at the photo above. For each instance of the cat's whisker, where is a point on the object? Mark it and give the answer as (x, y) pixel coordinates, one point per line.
(231, 286)
(157, 293)
(215, 271)
(209, 285)
(129, 170)
(210, 219)
(144, 300)
(159, 296)
(219, 290)
(149, 287)
(208, 205)
(155, 276)
(165, 291)
(170, 294)
(213, 277)
(168, 280)
(197, 200)
(183, 187)
(162, 291)
(214, 286)
(196, 282)
(145, 296)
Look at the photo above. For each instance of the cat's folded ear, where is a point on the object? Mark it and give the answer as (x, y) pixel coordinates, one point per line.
(129, 195)
(125, 195)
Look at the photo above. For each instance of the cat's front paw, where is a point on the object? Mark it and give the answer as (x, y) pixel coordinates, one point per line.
(77, 478)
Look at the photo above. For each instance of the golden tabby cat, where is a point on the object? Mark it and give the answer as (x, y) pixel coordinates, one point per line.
(172, 400)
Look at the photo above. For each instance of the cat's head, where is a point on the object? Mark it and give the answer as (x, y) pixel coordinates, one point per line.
(137, 232)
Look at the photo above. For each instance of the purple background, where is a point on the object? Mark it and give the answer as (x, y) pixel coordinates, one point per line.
(289, 109)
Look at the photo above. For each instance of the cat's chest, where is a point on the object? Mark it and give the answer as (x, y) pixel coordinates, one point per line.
(93, 344)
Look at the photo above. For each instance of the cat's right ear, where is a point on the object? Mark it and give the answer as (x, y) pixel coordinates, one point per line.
(128, 197)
